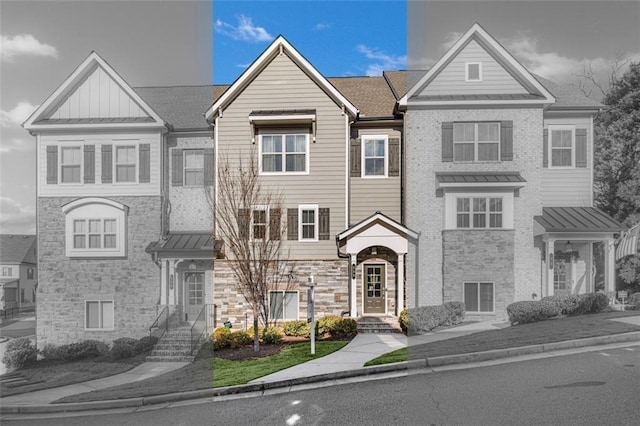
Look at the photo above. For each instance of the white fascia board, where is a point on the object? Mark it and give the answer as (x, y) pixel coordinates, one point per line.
(75, 76)
(279, 43)
(478, 103)
(275, 117)
(476, 28)
(372, 219)
(482, 185)
(97, 126)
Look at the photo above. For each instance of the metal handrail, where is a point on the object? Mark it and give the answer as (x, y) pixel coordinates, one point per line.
(158, 321)
(201, 325)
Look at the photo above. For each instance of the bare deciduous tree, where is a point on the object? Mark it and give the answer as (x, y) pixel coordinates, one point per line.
(248, 220)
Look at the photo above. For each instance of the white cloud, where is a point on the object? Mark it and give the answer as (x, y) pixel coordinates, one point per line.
(381, 61)
(450, 39)
(24, 44)
(321, 26)
(244, 31)
(16, 218)
(8, 145)
(17, 115)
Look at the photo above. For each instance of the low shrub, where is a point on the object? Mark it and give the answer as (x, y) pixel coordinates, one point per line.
(221, 338)
(593, 302)
(239, 339)
(634, 301)
(298, 328)
(548, 309)
(524, 312)
(457, 312)
(125, 341)
(344, 328)
(18, 353)
(271, 335)
(145, 344)
(51, 351)
(221, 331)
(325, 325)
(568, 304)
(403, 319)
(425, 318)
(121, 350)
(260, 331)
(83, 350)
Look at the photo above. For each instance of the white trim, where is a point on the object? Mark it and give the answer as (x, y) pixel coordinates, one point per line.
(558, 127)
(378, 216)
(71, 144)
(451, 210)
(493, 297)
(265, 208)
(444, 60)
(271, 118)
(100, 310)
(316, 225)
(363, 282)
(283, 153)
(75, 78)
(476, 142)
(363, 140)
(119, 143)
(466, 72)
(279, 45)
(186, 296)
(184, 167)
(93, 200)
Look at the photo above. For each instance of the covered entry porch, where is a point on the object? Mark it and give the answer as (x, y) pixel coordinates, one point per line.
(376, 248)
(578, 245)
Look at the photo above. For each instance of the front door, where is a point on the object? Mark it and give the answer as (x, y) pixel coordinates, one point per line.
(194, 288)
(374, 289)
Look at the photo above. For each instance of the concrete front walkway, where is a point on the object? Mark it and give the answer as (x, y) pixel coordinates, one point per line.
(47, 396)
(365, 347)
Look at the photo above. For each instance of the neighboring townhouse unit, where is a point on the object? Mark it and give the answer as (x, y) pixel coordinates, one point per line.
(490, 202)
(500, 183)
(18, 269)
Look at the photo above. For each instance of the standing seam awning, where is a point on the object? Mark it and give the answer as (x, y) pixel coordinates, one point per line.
(577, 219)
(199, 244)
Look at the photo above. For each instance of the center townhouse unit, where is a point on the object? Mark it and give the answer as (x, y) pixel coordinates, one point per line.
(474, 184)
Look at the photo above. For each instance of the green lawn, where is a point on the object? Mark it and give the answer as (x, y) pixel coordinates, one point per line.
(205, 373)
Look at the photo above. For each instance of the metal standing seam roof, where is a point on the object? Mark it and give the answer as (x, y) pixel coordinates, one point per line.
(475, 177)
(481, 97)
(577, 219)
(195, 242)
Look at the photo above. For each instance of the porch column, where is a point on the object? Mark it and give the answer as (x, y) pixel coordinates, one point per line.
(173, 282)
(400, 290)
(164, 284)
(353, 304)
(550, 260)
(610, 265)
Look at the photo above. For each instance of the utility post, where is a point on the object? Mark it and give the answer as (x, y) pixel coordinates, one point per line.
(311, 311)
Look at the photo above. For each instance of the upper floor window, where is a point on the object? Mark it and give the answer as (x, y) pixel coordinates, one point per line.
(259, 223)
(479, 212)
(473, 71)
(374, 156)
(125, 164)
(95, 227)
(476, 141)
(7, 271)
(284, 153)
(193, 167)
(308, 222)
(30, 273)
(562, 145)
(70, 164)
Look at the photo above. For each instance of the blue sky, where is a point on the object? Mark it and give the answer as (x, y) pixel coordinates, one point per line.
(340, 38)
(162, 43)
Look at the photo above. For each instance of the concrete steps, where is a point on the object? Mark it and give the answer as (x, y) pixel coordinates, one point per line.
(175, 346)
(369, 324)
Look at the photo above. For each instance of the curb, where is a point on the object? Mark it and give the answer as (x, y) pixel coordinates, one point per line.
(209, 393)
(530, 350)
(365, 371)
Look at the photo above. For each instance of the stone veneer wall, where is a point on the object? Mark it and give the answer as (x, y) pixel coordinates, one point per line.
(65, 284)
(331, 293)
(479, 256)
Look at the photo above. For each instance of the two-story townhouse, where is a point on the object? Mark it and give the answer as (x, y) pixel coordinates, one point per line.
(499, 183)
(18, 271)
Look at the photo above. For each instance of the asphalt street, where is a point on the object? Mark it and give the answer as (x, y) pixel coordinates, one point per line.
(591, 388)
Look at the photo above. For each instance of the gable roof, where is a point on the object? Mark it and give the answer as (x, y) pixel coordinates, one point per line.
(371, 95)
(181, 107)
(568, 97)
(538, 93)
(44, 117)
(279, 45)
(17, 248)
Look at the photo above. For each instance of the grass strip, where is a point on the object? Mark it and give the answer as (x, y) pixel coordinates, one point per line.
(398, 355)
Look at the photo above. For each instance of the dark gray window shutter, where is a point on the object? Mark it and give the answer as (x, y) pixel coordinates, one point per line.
(292, 224)
(506, 141)
(447, 141)
(209, 167)
(581, 147)
(52, 164)
(394, 156)
(274, 224)
(356, 166)
(325, 225)
(89, 164)
(145, 163)
(243, 223)
(107, 164)
(545, 148)
(176, 167)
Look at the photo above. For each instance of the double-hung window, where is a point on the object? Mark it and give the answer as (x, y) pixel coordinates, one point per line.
(479, 212)
(125, 164)
(259, 223)
(193, 167)
(284, 153)
(562, 144)
(478, 297)
(476, 142)
(308, 222)
(70, 164)
(99, 315)
(7, 271)
(94, 233)
(283, 305)
(375, 156)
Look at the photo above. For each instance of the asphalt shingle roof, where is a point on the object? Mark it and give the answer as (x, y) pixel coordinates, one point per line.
(371, 95)
(17, 248)
(180, 106)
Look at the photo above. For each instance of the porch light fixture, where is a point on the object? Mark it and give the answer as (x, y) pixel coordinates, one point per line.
(374, 251)
(192, 265)
(569, 246)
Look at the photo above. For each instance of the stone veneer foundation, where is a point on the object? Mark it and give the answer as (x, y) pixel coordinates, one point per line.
(65, 284)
